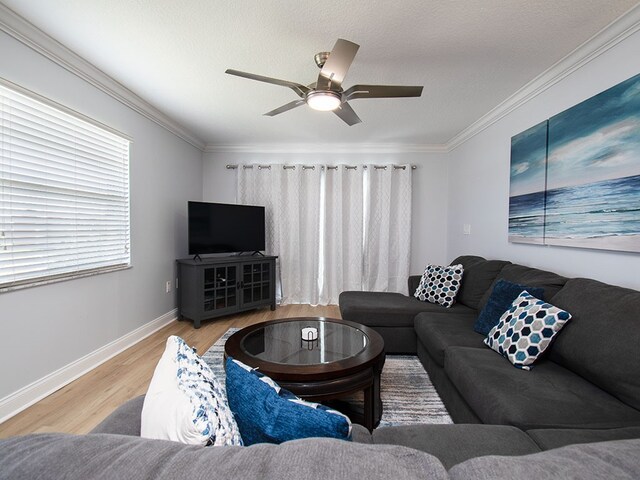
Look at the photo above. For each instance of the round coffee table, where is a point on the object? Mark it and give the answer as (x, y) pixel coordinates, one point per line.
(345, 358)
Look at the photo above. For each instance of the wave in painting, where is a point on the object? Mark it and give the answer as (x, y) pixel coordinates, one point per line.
(604, 214)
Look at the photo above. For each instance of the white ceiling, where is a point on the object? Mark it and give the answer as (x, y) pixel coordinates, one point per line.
(470, 55)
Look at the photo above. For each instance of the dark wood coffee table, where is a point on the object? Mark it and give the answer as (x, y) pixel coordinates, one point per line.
(346, 358)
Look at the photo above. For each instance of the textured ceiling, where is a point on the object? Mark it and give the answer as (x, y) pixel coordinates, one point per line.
(469, 54)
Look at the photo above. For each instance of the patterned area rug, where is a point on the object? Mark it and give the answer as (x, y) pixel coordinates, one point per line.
(407, 393)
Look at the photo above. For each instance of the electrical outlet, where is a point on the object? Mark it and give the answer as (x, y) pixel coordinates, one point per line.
(168, 286)
(466, 229)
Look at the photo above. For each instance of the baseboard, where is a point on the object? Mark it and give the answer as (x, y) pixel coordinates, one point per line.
(36, 391)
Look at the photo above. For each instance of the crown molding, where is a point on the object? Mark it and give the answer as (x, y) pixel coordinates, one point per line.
(14, 25)
(327, 148)
(614, 33)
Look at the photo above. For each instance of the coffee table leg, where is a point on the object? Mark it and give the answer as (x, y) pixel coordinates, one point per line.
(369, 409)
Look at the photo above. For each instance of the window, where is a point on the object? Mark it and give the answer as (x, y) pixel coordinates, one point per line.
(64, 192)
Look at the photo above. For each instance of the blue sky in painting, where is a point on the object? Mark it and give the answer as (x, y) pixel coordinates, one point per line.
(528, 153)
(598, 139)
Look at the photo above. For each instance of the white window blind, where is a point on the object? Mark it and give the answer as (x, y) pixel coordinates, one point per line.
(64, 188)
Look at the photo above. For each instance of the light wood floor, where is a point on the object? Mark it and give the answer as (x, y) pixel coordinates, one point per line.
(81, 405)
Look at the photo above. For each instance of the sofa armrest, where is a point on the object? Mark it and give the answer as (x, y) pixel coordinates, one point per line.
(125, 420)
(414, 281)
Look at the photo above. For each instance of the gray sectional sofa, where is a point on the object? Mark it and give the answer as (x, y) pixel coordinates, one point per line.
(589, 378)
(576, 414)
(114, 450)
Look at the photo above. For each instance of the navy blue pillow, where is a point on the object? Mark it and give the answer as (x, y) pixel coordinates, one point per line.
(502, 296)
(266, 413)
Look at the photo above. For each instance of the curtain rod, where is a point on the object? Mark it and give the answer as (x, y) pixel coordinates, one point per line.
(312, 167)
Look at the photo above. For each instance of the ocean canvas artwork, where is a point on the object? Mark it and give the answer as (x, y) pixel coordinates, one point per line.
(591, 193)
(528, 185)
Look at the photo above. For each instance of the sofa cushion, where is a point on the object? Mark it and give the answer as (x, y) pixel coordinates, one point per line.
(468, 261)
(387, 309)
(267, 413)
(502, 296)
(551, 282)
(526, 330)
(440, 284)
(453, 444)
(124, 420)
(102, 456)
(476, 281)
(547, 396)
(593, 461)
(548, 438)
(439, 331)
(602, 341)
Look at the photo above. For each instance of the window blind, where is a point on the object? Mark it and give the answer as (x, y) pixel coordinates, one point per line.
(64, 188)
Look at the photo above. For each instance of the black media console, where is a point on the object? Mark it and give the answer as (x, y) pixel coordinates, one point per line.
(216, 286)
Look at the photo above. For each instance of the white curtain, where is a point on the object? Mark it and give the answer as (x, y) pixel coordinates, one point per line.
(387, 228)
(333, 229)
(291, 196)
(343, 233)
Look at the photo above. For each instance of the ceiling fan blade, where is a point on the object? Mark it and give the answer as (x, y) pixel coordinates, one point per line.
(381, 91)
(284, 108)
(335, 68)
(300, 90)
(347, 114)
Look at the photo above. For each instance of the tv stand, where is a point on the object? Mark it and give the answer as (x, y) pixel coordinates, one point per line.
(197, 257)
(216, 286)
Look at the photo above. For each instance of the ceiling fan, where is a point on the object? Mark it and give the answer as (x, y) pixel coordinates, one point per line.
(326, 94)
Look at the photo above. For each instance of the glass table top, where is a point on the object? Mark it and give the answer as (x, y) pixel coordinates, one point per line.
(283, 342)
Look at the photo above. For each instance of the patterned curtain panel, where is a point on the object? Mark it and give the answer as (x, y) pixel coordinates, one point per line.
(387, 228)
(333, 228)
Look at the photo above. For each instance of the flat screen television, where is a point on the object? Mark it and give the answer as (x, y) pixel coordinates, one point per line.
(225, 228)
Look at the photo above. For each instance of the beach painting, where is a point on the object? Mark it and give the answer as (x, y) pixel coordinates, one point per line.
(591, 195)
(528, 185)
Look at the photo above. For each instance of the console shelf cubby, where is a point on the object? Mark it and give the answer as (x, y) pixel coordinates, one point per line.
(217, 286)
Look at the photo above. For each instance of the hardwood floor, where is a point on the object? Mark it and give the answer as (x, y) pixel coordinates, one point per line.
(85, 402)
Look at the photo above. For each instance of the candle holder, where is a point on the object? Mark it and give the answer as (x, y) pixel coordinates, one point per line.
(309, 338)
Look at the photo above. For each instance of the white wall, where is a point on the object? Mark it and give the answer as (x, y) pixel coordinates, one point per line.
(479, 178)
(429, 190)
(45, 328)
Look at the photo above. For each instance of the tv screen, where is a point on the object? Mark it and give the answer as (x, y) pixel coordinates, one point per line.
(224, 228)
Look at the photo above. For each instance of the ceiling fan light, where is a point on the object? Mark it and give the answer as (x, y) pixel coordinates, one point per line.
(323, 101)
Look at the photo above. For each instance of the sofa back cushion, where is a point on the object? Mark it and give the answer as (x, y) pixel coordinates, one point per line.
(477, 279)
(602, 340)
(468, 260)
(514, 273)
(81, 457)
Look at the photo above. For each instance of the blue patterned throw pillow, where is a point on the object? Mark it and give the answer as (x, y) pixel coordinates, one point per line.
(526, 330)
(502, 295)
(267, 413)
(185, 402)
(440, 284)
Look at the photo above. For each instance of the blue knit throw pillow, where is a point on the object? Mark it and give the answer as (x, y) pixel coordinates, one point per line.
(525, 330)
(267, 413)
(502, 295)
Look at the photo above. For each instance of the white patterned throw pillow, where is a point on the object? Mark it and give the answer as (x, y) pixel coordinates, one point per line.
(440, 284)
(185, 402)
(526, 329)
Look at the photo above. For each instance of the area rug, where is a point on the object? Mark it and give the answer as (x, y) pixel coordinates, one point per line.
(407, 394)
